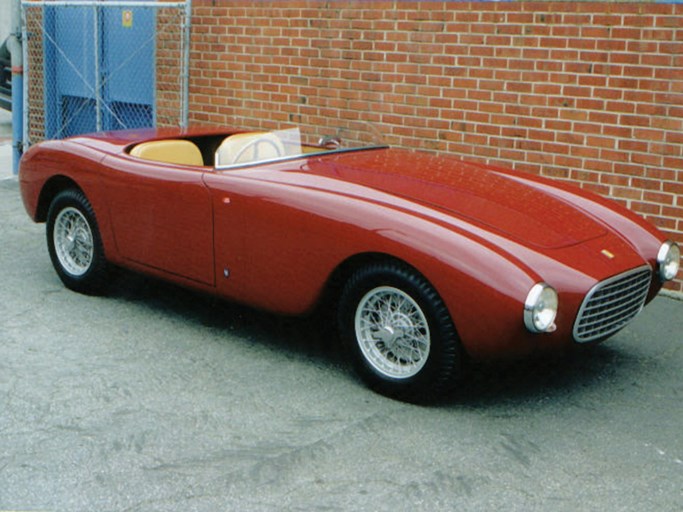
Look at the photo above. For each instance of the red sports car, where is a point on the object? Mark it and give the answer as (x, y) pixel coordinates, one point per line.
(430, 260)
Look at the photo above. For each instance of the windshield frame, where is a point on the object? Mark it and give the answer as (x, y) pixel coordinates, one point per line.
(290, 143)
(286, 158)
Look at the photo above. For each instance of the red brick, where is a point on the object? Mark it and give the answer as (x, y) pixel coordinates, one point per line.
(578, 175)
(602, 166)
(646, 209)
(658, 198)
(648, 134)
(596, 189)
(627, 193)
(584, 152)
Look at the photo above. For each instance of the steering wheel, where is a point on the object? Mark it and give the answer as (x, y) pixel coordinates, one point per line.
(330, 142)
(255, 144)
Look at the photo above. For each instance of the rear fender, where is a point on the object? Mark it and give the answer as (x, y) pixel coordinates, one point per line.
(52, 166)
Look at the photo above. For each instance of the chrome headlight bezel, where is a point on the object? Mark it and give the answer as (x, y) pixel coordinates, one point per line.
(668, 260)
(540, 309)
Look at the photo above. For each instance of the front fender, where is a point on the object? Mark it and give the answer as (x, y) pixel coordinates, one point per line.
(282, 243)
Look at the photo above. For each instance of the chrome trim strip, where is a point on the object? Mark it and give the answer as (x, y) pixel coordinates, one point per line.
(295, 157)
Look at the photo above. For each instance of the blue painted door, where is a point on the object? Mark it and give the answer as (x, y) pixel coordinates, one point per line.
(99, 69)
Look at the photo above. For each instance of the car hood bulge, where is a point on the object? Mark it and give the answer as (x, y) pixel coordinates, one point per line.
(504, 203)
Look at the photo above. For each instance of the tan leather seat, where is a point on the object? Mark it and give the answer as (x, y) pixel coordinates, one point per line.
(172, 151)
(249, 147)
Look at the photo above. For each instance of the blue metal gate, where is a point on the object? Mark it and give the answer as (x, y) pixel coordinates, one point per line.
(94, 65)
(99, 72)
(128, 79)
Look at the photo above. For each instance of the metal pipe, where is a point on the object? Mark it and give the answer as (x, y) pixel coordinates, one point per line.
(14, 46)
(97, 43)
(185, 83)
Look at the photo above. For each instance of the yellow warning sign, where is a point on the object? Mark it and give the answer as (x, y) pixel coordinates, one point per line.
(127, 19)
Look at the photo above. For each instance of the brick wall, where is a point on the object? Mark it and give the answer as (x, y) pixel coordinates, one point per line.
(590, 93)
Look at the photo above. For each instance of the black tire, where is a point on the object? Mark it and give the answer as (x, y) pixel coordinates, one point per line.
(409, 350)
(74, 243)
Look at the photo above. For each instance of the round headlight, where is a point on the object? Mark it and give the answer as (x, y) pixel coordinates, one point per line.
(540, 308)
(668, 259)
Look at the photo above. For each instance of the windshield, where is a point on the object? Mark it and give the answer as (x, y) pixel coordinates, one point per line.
(258, 147)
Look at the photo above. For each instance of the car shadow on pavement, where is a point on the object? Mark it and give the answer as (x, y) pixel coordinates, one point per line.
(314, 339)
(532, 381)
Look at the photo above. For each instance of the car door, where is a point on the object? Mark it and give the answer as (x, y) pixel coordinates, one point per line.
(161, 216)
(274, 248)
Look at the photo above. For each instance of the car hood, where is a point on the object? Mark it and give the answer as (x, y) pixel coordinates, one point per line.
(504, 202)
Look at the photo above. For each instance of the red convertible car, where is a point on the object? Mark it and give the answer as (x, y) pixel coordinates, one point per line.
(430, 261)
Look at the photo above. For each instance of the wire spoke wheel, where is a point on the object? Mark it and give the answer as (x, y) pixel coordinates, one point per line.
(73, 241)
(398, 332)
(392, 332)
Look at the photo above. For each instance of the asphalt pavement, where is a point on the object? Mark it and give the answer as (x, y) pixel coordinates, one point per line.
(154, 398)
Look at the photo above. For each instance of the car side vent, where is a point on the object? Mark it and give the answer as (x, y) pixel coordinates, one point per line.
(611, 304)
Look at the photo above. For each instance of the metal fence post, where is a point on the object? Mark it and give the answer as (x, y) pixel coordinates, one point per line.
(16, 50)
(98, 78)
(187, 26)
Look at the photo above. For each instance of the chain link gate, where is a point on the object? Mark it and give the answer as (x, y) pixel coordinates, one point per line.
(104, 65)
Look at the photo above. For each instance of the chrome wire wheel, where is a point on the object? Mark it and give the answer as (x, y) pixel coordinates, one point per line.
(398, 332)
(73, 241)
(392, 332)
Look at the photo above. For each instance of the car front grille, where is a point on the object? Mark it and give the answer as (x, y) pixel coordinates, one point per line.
(611, 304)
